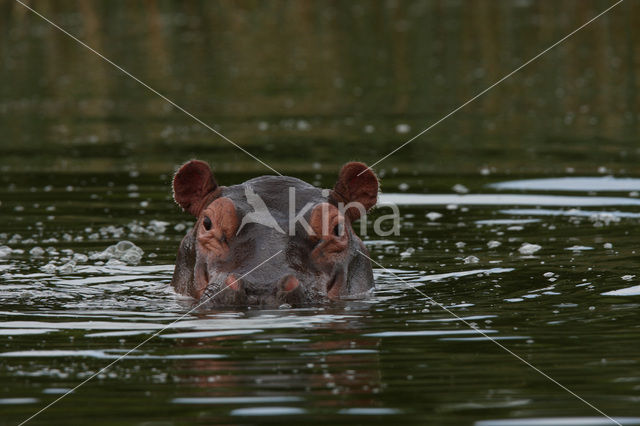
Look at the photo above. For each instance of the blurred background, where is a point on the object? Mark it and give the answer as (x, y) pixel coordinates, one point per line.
(309, 85)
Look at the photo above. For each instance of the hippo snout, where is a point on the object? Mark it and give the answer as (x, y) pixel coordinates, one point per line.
(237, 291)
(272, 240)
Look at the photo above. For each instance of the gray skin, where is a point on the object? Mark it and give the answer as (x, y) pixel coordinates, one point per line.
(350, 276)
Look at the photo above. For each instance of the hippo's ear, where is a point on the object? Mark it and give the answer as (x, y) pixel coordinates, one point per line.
(356, 184)
(191, 185)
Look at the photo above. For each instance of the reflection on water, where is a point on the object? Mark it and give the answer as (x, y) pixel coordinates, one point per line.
(335, 80)
(88, 231)
(568, 307)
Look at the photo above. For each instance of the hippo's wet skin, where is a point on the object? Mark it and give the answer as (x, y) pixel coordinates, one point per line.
(241, 226)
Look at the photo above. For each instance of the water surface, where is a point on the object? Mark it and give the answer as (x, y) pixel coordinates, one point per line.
(518, 214)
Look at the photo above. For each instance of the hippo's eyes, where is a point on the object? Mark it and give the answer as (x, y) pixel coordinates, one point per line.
(207, 223)
(338, 230)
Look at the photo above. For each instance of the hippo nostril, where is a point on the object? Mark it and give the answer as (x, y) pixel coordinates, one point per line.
(289, 291)
(289, 283)
(233, 282)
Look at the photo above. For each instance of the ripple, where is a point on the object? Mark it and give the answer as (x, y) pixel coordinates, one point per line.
(585, 184)
(119, 333)
(23, 332)
(452, 319)
(504, 200)
(628, 291)
(481, 338)
(267, 411)
(201, 334)
(560, 421)
(235, 400)
(506, 221)
(436, 277)
(18, 401)
(56, 391)
(369, 411)
(106, 354)
(426, 333)
(571, 213)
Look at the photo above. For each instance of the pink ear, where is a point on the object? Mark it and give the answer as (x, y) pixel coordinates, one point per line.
(191, 185)
(356, 184)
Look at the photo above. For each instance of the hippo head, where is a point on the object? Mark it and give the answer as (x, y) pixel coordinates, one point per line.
(273, 240)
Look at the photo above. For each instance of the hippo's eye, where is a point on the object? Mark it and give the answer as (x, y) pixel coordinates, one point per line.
(207, 223)
(338, 229)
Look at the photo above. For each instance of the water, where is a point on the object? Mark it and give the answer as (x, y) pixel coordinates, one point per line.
(518, 214)
(568, 308)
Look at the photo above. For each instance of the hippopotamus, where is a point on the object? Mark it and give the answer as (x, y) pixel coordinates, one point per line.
(273, 240)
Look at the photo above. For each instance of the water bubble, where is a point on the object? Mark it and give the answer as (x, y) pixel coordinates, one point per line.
(471, 259)
(407, 253)
(36, 251)
(493, 244)
(433, 216)
(403, 128)
(603, 218)
(528, 249)
(80, 258)
(157, 226)
(460, 188)
(124, 251)
(68, 267)
(49, 268)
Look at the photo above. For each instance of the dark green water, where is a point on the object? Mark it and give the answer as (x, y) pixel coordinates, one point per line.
(87, 156)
